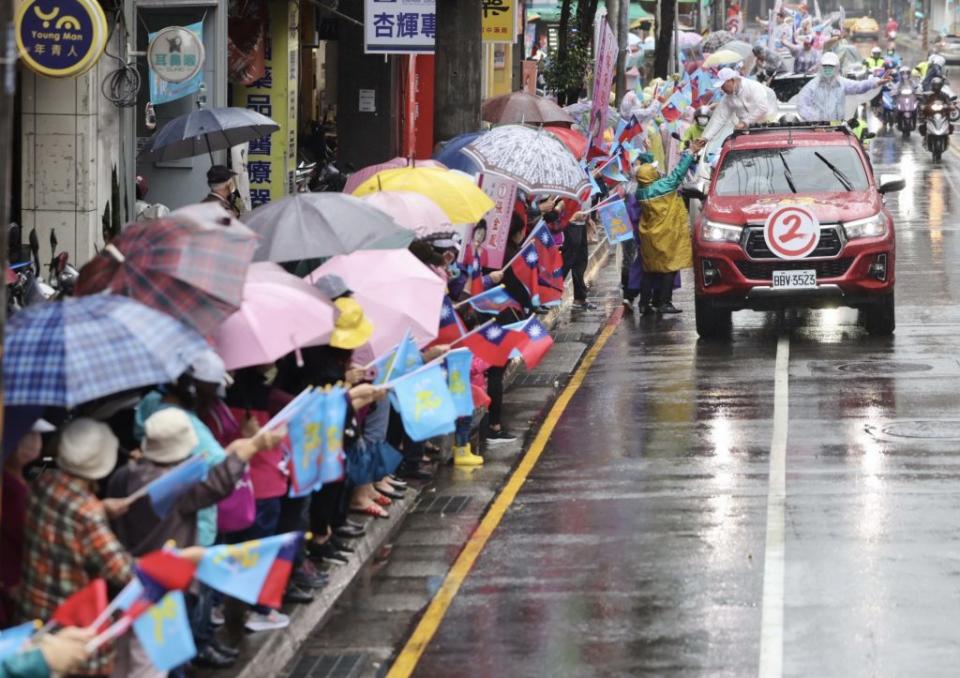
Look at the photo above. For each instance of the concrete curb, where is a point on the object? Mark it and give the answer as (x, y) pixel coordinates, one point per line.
(266, 653)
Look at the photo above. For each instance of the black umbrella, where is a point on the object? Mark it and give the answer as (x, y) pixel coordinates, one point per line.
(207, 130)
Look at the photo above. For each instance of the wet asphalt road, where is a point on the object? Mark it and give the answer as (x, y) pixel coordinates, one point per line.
(638, 545)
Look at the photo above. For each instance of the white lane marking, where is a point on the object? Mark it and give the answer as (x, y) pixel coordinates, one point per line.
(771, 620)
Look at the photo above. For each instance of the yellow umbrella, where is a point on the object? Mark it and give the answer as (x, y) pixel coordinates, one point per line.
(723, 57)
(455, 193)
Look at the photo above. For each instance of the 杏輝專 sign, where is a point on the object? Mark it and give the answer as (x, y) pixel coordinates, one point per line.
(399, 26)
(60, 38)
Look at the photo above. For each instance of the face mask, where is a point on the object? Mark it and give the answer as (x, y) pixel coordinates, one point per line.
(828, 71)
(702, 122)
(454, 269)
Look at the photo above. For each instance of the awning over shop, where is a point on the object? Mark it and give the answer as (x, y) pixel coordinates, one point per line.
(549, 11)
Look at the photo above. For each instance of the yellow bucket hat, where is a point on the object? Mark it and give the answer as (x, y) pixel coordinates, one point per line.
(352, 330)
(647, 174)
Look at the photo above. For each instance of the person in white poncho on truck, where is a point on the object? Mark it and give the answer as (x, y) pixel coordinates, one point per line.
(825, 97)
(745, 102)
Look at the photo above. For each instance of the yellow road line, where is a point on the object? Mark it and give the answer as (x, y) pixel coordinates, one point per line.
(422, 635)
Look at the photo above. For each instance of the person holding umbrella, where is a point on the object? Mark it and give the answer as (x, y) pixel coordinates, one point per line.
(223, 188)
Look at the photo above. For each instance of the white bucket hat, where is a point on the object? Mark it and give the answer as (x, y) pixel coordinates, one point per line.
(87, 449)
(169, 436)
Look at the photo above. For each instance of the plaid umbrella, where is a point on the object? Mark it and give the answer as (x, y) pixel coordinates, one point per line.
(185, 268)
(70, 352)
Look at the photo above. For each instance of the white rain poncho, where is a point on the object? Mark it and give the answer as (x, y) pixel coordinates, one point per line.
(822, 99)
(754, 103)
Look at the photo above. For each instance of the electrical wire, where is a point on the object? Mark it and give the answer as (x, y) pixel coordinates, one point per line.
(121, 87)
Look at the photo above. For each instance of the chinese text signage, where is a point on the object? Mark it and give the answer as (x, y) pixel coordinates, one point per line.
(271, 162)
(499, 20)
(61, 38)
(399, 26)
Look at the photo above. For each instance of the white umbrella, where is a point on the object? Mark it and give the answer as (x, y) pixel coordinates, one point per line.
(538, 161)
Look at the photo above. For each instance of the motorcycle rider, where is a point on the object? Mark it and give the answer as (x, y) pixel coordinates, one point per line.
(934, 93)
(768, 65)
(695, 131)
(893, 56)
(936, 67)
(892, 26)
(875, 60)
(824, 97)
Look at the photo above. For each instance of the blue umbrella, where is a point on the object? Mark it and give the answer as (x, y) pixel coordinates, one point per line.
(207, 130)
(70, 352)
(450, 155)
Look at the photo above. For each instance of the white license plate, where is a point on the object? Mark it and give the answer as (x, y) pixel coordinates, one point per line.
(794, 280)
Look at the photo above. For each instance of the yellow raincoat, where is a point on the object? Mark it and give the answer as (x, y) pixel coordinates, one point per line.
(664, 232)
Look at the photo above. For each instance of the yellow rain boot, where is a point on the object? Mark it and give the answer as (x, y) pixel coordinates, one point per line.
(463, 456)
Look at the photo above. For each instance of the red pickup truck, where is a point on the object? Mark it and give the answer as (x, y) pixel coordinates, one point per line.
(793, 217)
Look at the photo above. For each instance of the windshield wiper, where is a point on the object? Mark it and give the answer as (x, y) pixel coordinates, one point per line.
(837, 172)
(787, 173)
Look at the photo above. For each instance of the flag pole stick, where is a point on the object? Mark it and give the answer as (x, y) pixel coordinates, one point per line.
(115, 631)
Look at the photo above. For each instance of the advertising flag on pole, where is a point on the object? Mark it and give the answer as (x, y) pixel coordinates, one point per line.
(458, 379)
(423, 400)
(164, 632)
(241, 570)
(503, 192)
(306, 433)
(606, 59)
(616, 222)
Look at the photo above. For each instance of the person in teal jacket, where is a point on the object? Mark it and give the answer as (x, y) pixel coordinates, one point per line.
(53, 653)
(665, 246)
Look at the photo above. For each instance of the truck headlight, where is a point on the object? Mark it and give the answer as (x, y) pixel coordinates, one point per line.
(871, 227)
(712, 231)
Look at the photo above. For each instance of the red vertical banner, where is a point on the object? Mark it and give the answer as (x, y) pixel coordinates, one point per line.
(417, 124)
(410, 113)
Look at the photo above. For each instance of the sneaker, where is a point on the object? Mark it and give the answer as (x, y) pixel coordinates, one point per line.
(668, 309)
(349, 532)
(209, 657)
(501, 436)
(267, 622)
(627, 305)
(226, 650)
(296, 595)
(216, 616)
(584, 306)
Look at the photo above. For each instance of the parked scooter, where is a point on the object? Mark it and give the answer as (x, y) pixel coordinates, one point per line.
(63, 274)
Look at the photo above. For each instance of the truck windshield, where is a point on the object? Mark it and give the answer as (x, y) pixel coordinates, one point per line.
(763, 171)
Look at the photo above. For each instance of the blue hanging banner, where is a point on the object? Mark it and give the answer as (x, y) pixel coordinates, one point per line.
(176, 57)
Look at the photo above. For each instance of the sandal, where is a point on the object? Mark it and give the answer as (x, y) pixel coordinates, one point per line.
(371, 510)
(396, 482)
(382, 500)
(392, 493)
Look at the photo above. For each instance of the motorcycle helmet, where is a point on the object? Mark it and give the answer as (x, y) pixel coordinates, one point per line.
(936, 85)
(758, 51)
(937, 60)
(876, 52)
(702, 116)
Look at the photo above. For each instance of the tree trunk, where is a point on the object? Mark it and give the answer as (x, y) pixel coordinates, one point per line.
(459, 66)
(8, 85)
(564, 30)
(661, 53)
(622, 31)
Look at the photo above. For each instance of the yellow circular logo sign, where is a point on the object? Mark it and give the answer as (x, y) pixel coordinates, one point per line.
(61, 38)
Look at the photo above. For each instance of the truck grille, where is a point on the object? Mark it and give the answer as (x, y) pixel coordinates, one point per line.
(763, 270)
(829, 246)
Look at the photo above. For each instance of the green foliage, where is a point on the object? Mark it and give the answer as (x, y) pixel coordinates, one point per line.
(567, 71)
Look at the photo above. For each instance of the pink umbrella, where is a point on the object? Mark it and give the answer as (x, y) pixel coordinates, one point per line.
(413, 211)
(280, 313)
(396, 292)
(361, 175)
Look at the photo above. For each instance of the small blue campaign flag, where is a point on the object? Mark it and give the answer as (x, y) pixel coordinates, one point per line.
(424, 403)
(239, 570)
(616, 222)
(404, 358)
(165, 490)
(164, 631)
(458, 380)
(306, 434)
(13, 639)
(334, 419)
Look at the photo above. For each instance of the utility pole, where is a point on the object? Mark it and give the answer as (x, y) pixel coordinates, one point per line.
(622, 26)
(459, 67)
(8, 85)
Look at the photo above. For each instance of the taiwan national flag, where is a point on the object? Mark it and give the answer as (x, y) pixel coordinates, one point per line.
(494, 301)
(550, 265)
(451, 326)
(533, 341)
(255, 571)
(632, 130)
(491, 343)
(525, 267)
(14, 639)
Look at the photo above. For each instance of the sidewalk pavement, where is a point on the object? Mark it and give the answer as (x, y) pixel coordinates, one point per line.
(371, 603)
